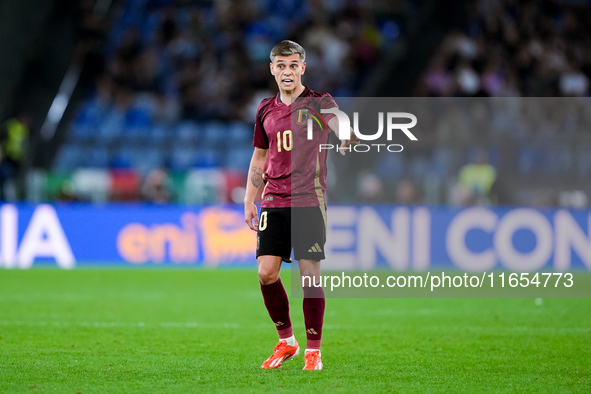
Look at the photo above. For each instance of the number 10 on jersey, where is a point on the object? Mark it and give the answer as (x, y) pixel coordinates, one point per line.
(286, 140)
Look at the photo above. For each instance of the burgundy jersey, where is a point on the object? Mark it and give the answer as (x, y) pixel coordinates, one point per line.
(295, 170)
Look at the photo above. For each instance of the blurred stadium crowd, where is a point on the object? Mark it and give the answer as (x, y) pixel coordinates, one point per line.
(182, 79)
(168, 115)
(515, 48)
(538, 143)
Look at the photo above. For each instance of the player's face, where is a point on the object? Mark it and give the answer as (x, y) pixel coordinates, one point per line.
(288, 71)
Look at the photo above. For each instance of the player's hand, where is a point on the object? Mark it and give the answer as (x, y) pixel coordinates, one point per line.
(345, 144)
(251, 215)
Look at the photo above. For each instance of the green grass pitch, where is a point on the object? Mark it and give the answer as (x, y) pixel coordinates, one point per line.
(183, 331)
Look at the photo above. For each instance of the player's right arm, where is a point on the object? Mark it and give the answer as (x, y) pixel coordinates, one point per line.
(255, 179)
(257, 167)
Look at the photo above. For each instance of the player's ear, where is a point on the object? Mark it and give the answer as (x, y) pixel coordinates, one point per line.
(303, 68)
(271, 67)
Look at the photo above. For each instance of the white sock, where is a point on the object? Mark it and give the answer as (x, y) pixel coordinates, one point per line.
(290, 341)
(311, 350)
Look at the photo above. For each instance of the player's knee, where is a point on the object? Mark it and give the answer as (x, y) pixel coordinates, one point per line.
(309, 273)
(310, 279)
(310, 270)
(267, 276)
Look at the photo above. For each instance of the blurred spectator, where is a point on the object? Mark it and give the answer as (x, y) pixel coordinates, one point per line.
(544, 198)
(13, 134)
(476, 181)
(155, 187)
(438, 80)
(406, 192)
(577, 199)
(67, 193)
(371, 189)
(573, 82)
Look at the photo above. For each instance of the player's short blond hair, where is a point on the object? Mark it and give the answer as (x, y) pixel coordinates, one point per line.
(286, 48)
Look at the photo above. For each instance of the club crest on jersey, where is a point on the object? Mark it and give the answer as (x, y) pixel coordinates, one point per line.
(302, 116)
(306, 115)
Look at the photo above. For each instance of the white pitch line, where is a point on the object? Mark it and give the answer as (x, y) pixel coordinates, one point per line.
(117, 324)
(98, 324)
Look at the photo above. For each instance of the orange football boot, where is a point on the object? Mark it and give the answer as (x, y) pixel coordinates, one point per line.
(281, 353)
(313, 361)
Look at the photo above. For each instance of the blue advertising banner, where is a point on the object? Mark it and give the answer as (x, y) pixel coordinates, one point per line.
(470, 239)
(74, 235)
(359, 237)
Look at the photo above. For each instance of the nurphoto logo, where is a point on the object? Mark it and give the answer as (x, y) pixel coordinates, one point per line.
(345, 129)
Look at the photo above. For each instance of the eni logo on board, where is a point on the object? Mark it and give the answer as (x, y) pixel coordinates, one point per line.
(214, 236)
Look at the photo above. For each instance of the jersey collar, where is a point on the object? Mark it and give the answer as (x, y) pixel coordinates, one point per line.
(303, 94)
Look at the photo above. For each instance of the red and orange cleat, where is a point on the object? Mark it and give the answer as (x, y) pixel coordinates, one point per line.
(281, 353)
(313, 361)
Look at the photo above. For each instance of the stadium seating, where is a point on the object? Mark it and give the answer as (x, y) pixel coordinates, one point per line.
(172, 93)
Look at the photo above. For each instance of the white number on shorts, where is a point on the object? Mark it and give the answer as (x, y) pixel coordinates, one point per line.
(263, 221)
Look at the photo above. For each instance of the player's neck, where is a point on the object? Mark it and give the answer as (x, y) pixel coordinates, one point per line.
(287, 96)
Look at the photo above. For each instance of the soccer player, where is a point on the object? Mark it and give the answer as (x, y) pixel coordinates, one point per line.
(293, 209)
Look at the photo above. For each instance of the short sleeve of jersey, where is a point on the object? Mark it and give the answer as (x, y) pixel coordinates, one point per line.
(326, 102)
(260, 136)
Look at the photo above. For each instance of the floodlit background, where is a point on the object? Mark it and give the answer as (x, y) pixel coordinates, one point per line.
(126, 131)
(153, 101)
